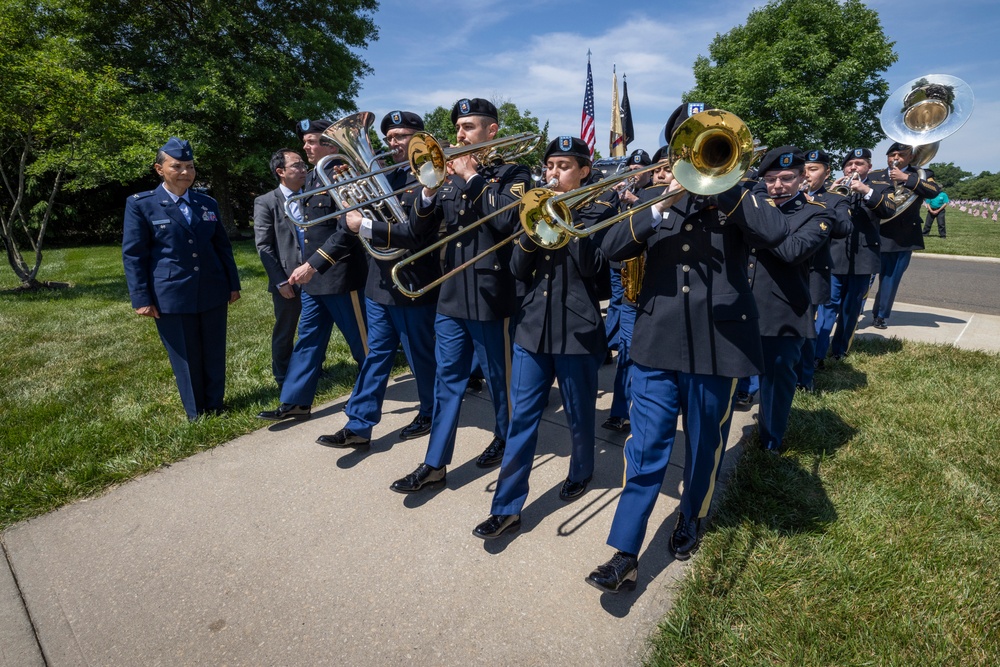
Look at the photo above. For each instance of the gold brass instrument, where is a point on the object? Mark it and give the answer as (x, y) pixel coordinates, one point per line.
(356, 182)
(709, 153)
(632, 272)
(920, 114)
(533, 223)
(428, 159)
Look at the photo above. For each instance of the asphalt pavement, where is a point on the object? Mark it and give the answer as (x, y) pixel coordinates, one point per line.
(274, 550)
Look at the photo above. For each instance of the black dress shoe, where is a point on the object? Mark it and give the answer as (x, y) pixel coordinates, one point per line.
(492, 455)
(474, 384)
(620, 424)
(420, 425)
(619, 573)
(609, 358)
(880, 323)
(807, 388)
(684, 541)
(286, 411)
(345, 437)
(573, 490)
(423, 476)
(496, 525)
(744, 399)
(819, 365)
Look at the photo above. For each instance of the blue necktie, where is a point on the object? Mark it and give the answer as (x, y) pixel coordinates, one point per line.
(185, 209)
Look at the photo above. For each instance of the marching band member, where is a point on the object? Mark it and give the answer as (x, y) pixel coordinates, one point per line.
(393, 318)
(630, 272)
(696, 331)
(901, 235)
(559, 335)
(816, 173)
(332, 274)
(780, 282)
(855, 258)
(473, 307)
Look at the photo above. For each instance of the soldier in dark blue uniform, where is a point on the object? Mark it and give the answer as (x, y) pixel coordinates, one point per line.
(696, 331)
(780, 280)
(332, 275)
(817, 172)
(630, 271)
(855, 258)
(559, 335)
(393, 317)
(902, 234)
(180, 271)
(473, 307)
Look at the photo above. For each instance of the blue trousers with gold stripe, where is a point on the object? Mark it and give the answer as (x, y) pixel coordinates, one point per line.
(387, 327)
(847, 297)
(457, 340)
(623, 392)
(531, 378)
(658, 397)
(893, 267)
(319, 314)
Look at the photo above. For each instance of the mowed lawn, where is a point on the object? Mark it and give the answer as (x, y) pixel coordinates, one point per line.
(87, 397)
(968, 236)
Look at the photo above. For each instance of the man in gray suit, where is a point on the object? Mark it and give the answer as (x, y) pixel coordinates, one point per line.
(279, 252)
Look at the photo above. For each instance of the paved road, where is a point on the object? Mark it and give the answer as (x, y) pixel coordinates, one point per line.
(943, 281)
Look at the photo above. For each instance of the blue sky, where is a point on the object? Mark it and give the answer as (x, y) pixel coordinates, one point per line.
(534, 54)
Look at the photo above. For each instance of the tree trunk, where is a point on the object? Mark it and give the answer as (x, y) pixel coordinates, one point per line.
(220, 190)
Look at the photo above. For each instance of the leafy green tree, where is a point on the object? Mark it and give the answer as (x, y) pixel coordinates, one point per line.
(62, 126)
(234, 76)
(802, 72)
(947, 174)
(984, 186)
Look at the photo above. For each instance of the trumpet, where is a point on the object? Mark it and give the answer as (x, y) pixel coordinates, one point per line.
(844, 189)
(428, 159)
(532, 223)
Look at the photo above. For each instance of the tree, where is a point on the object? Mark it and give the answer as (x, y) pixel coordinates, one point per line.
(233, 76)
(62, 125)
(947, 174)
(802, 72)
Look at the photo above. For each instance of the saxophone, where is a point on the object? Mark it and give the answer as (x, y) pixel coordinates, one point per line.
(632, 271)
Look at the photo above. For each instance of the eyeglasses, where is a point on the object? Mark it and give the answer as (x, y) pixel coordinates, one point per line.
(787, 180)
(301, 166)
(398, 137)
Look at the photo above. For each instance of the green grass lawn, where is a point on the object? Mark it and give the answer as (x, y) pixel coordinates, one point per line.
(969, 236)
(874, 541)
(87, 397)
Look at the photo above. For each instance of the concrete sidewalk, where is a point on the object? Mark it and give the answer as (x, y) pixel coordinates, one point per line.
(273, 550)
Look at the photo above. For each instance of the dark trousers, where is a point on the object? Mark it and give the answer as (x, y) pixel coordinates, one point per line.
(847, 297)
(777, 388)
(612, 321)
(658, 398)
(196, 346)
(623, 392)
(457, 340)
(931, 217)
(531, 378)
(893, 267)
(388, 326)
(286, 320)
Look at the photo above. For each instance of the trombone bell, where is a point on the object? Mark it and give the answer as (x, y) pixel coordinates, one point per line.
(537, 223)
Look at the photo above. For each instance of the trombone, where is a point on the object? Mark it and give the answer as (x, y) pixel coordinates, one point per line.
(709, 153)
(428, 159)
(533, 223)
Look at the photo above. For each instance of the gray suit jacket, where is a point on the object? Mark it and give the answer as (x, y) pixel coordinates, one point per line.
(274, 233)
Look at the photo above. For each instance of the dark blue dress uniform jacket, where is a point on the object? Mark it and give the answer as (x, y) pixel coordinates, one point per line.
(858, 254)
(821, 263)
(381, 288)
(560, 313)
(905, 232)
(179, 268)
(486, 291)
(780, 275)
(330, 248)
(696, 313)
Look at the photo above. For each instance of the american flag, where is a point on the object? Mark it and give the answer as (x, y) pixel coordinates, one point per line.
(587, 120)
